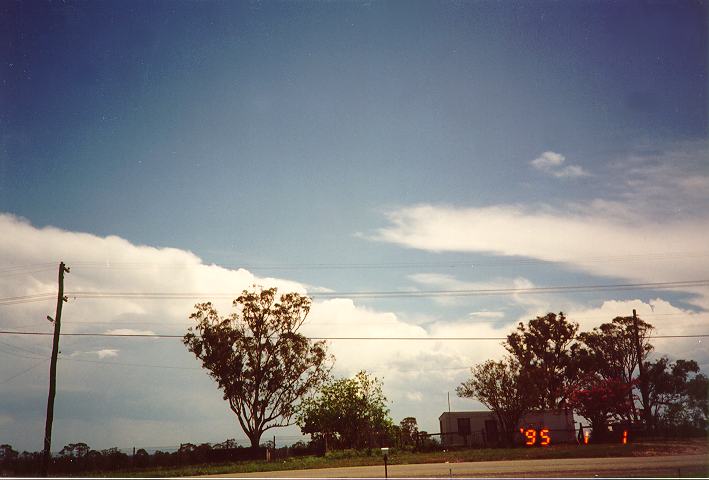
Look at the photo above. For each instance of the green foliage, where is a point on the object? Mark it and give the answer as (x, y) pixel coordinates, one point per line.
(408, 432)
(501, 387)
(258, 358)
(75, 450)
(609, 352)
(542, 348)
(228, 443)
(7, 453)
(348, 413)
(678, 395)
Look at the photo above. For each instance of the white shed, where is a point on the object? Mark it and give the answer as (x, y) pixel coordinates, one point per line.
(469, 429)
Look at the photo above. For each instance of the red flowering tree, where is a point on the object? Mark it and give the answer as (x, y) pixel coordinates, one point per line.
(599, 400)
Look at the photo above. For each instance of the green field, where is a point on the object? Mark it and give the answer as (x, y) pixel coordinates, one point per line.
(352, 458)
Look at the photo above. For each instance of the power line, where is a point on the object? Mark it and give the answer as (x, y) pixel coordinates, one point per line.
(44, 360)
(22, 349)
(380, 293)
(88, 294)
(18, 354)
(159, 335)
(123, 364)
(27, 266)
(24, 272)
(108, 264)
(481, 319)
(27, 299)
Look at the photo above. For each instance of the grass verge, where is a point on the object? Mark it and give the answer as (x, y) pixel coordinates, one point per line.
(353, 459)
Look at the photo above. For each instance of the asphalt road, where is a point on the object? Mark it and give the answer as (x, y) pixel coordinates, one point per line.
(663, 466)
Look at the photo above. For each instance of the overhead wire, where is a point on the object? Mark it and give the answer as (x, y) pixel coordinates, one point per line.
(123, 364)
(27, 266)
(375, 294)
(108, 264)
(24, 371)
(160, 335)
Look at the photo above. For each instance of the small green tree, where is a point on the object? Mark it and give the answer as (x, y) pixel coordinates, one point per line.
(78, 450)
(258, 358)
(349, 412)
(501, 387)
(409, 431)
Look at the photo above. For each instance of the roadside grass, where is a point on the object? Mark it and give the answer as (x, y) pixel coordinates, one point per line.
(362, 458)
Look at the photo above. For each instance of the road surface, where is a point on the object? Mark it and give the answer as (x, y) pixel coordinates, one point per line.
(664, 466)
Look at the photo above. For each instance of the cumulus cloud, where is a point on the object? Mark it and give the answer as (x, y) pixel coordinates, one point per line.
(551, 163)
(114, 393)
(548, 160)
(107, 352)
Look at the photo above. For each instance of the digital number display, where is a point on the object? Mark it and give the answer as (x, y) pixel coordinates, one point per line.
(542, 437)
(587, 436)
(536, 437)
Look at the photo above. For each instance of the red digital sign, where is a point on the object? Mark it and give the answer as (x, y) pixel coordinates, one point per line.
(542, 437)
(587, 437)
(536, 437)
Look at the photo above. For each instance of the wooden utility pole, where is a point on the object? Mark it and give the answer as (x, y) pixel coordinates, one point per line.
(53, 371)
(641, 369)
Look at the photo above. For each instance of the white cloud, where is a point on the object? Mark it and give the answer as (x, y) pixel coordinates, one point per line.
(111, 264)
(548, 160)
(570, 171)
(670, 182)
(487, 314)
(637, 248)
(414, 396)
(103, 353)
(128, 331)
(425, 366)
(551, 162)
(443, 282)
(107, 352)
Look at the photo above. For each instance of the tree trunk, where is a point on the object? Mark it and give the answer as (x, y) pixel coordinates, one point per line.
(255, 438)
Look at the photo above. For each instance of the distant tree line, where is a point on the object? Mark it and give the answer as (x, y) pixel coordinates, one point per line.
(550, 365)
(80, 458)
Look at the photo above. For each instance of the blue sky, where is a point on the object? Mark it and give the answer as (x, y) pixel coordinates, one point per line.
(524, 143)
